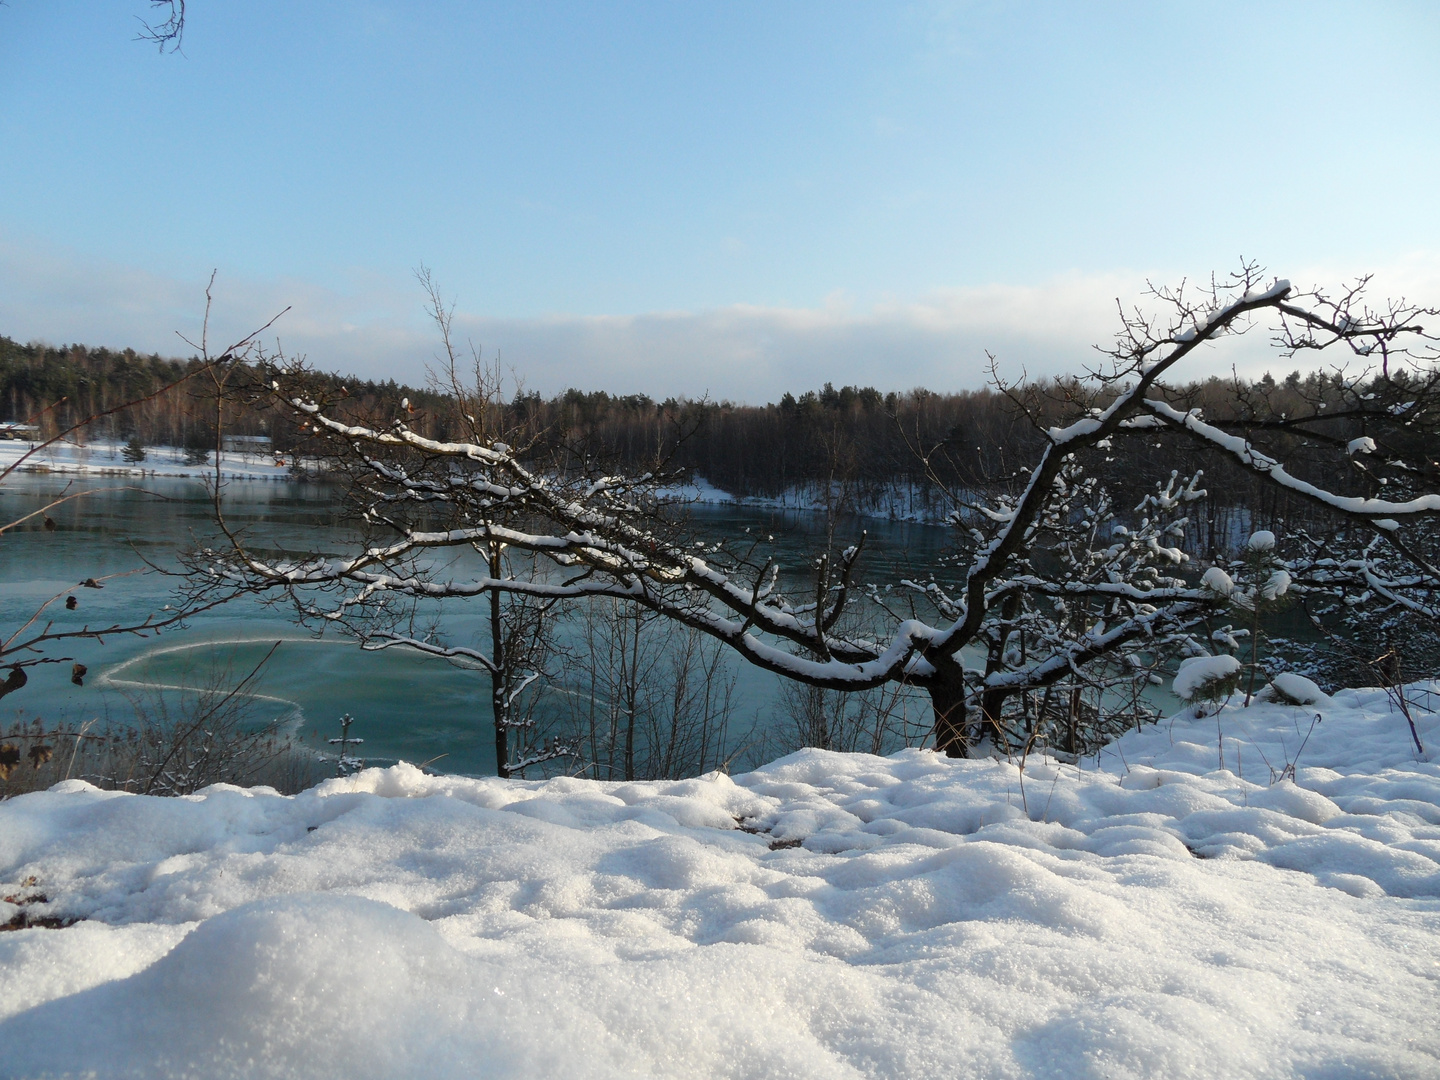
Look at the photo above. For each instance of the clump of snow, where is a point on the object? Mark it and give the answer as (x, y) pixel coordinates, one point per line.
(1255, 894)
(1204, 676)
(1279, 288)
(1362, 445)
(1295, 689)
(1276, 585)
(1262, 540)
(1218, 581)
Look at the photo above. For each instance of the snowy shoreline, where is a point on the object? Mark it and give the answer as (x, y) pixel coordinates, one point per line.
(1163, 910)
(888, 502)
(106, 459)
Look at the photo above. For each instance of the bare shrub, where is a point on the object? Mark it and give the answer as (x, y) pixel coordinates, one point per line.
(180, 740)
(648, 699)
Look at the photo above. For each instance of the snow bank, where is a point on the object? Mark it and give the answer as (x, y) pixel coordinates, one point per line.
(894, 500)
(1297, 690)
(698, 490)
(1164, 910)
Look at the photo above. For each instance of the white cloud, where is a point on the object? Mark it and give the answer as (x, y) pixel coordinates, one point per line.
(756, 353)
(375, 327)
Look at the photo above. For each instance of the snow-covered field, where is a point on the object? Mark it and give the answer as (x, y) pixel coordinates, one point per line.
(1150, 914)
(105, 459)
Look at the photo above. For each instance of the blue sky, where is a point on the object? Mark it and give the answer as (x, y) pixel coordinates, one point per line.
(678, 198)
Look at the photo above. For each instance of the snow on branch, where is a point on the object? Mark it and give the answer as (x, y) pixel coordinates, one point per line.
(1241, 451)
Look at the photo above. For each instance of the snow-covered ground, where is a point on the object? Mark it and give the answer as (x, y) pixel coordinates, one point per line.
(894, 501)
(1147, 914)
(698, 490)
(105, 459)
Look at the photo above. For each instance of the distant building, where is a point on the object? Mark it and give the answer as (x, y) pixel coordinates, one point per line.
(245, 444)
(11, 429)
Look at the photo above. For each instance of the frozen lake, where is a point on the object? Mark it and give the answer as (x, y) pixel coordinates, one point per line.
(405, 706)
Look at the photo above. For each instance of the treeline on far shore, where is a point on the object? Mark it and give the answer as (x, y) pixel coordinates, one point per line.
(856, 439)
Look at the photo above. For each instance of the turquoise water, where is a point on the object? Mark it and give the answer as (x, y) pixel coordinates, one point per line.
(405, 705)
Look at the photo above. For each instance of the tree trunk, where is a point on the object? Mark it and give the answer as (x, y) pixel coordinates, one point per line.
(632, 691)
(992, 701)
(498, 673)
(992, 707)
(947, 698)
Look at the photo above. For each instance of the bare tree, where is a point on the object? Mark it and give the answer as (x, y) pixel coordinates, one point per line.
(877, 721)
(166, 26)
(1058, 591)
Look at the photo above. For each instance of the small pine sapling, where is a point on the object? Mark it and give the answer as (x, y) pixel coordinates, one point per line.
(1208, 680)
(345, 764)
(1259, 589)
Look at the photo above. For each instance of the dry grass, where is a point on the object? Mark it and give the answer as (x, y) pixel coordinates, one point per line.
(153, 758)
(180, 740)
